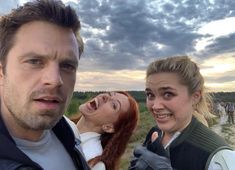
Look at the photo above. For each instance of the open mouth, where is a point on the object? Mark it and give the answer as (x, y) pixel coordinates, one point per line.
(94, 104)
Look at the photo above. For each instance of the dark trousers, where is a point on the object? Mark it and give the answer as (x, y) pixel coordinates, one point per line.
(231, 117)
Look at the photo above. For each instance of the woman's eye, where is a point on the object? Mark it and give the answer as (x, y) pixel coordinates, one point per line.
(114, 106)
(168, 95)
(149, 95)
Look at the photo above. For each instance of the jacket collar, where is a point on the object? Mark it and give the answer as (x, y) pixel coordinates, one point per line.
(8, 149)
(186, 132)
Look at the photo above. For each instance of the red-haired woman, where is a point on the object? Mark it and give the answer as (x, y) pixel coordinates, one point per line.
(106, 124)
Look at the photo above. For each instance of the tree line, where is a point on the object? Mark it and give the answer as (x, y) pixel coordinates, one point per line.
(81, 97)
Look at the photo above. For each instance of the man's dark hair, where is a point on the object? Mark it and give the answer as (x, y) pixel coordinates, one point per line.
(52, 11)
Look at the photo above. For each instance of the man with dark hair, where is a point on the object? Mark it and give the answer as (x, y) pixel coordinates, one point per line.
(40, 49)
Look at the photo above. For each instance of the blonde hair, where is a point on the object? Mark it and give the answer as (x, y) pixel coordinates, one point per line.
(190, 76)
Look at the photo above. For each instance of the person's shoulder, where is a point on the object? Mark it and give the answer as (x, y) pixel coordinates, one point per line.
(7, 164)
(224, 159)
(73, 127)
(210, 139)
(99, 166)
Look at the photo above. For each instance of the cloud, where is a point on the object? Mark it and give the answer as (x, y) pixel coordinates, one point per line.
(110, 80)
(117, 33)
(219, 70)
(220, 45)
(122, 35)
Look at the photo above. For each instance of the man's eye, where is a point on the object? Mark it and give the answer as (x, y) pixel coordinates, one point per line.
(35, 61)
(68, 67)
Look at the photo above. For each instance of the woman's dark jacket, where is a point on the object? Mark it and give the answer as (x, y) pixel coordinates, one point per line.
(193, 148)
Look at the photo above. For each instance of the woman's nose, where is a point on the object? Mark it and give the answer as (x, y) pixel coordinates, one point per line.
(105, 98)
(157, 104)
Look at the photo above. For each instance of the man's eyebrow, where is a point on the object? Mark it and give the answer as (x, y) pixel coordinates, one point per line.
(31, 54)
(70, 61)
(73, 55)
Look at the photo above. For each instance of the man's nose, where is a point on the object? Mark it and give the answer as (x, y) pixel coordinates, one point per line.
(52, 75)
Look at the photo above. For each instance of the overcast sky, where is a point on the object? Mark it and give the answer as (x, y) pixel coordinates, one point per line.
(123, 36)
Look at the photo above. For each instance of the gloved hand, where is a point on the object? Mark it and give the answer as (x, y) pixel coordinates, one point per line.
(147, 160)
(155, 145)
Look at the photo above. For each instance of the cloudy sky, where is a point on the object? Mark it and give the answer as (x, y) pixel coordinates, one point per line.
(123, 36)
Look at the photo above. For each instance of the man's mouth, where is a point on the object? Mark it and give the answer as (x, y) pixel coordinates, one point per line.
(49, 99)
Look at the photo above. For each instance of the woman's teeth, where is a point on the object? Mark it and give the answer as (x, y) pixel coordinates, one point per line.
(161, 116)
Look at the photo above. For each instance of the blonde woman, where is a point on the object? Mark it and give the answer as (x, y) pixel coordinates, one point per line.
(175, 92)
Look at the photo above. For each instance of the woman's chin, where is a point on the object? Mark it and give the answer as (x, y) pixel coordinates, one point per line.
(166, 126)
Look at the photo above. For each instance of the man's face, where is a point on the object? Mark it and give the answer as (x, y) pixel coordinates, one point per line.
(39, 77)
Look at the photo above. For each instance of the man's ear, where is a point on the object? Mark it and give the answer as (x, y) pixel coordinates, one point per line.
(108, 128)
(196, 97)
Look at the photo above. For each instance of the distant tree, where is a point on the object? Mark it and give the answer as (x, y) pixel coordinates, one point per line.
(224, 96)
(73, 107)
